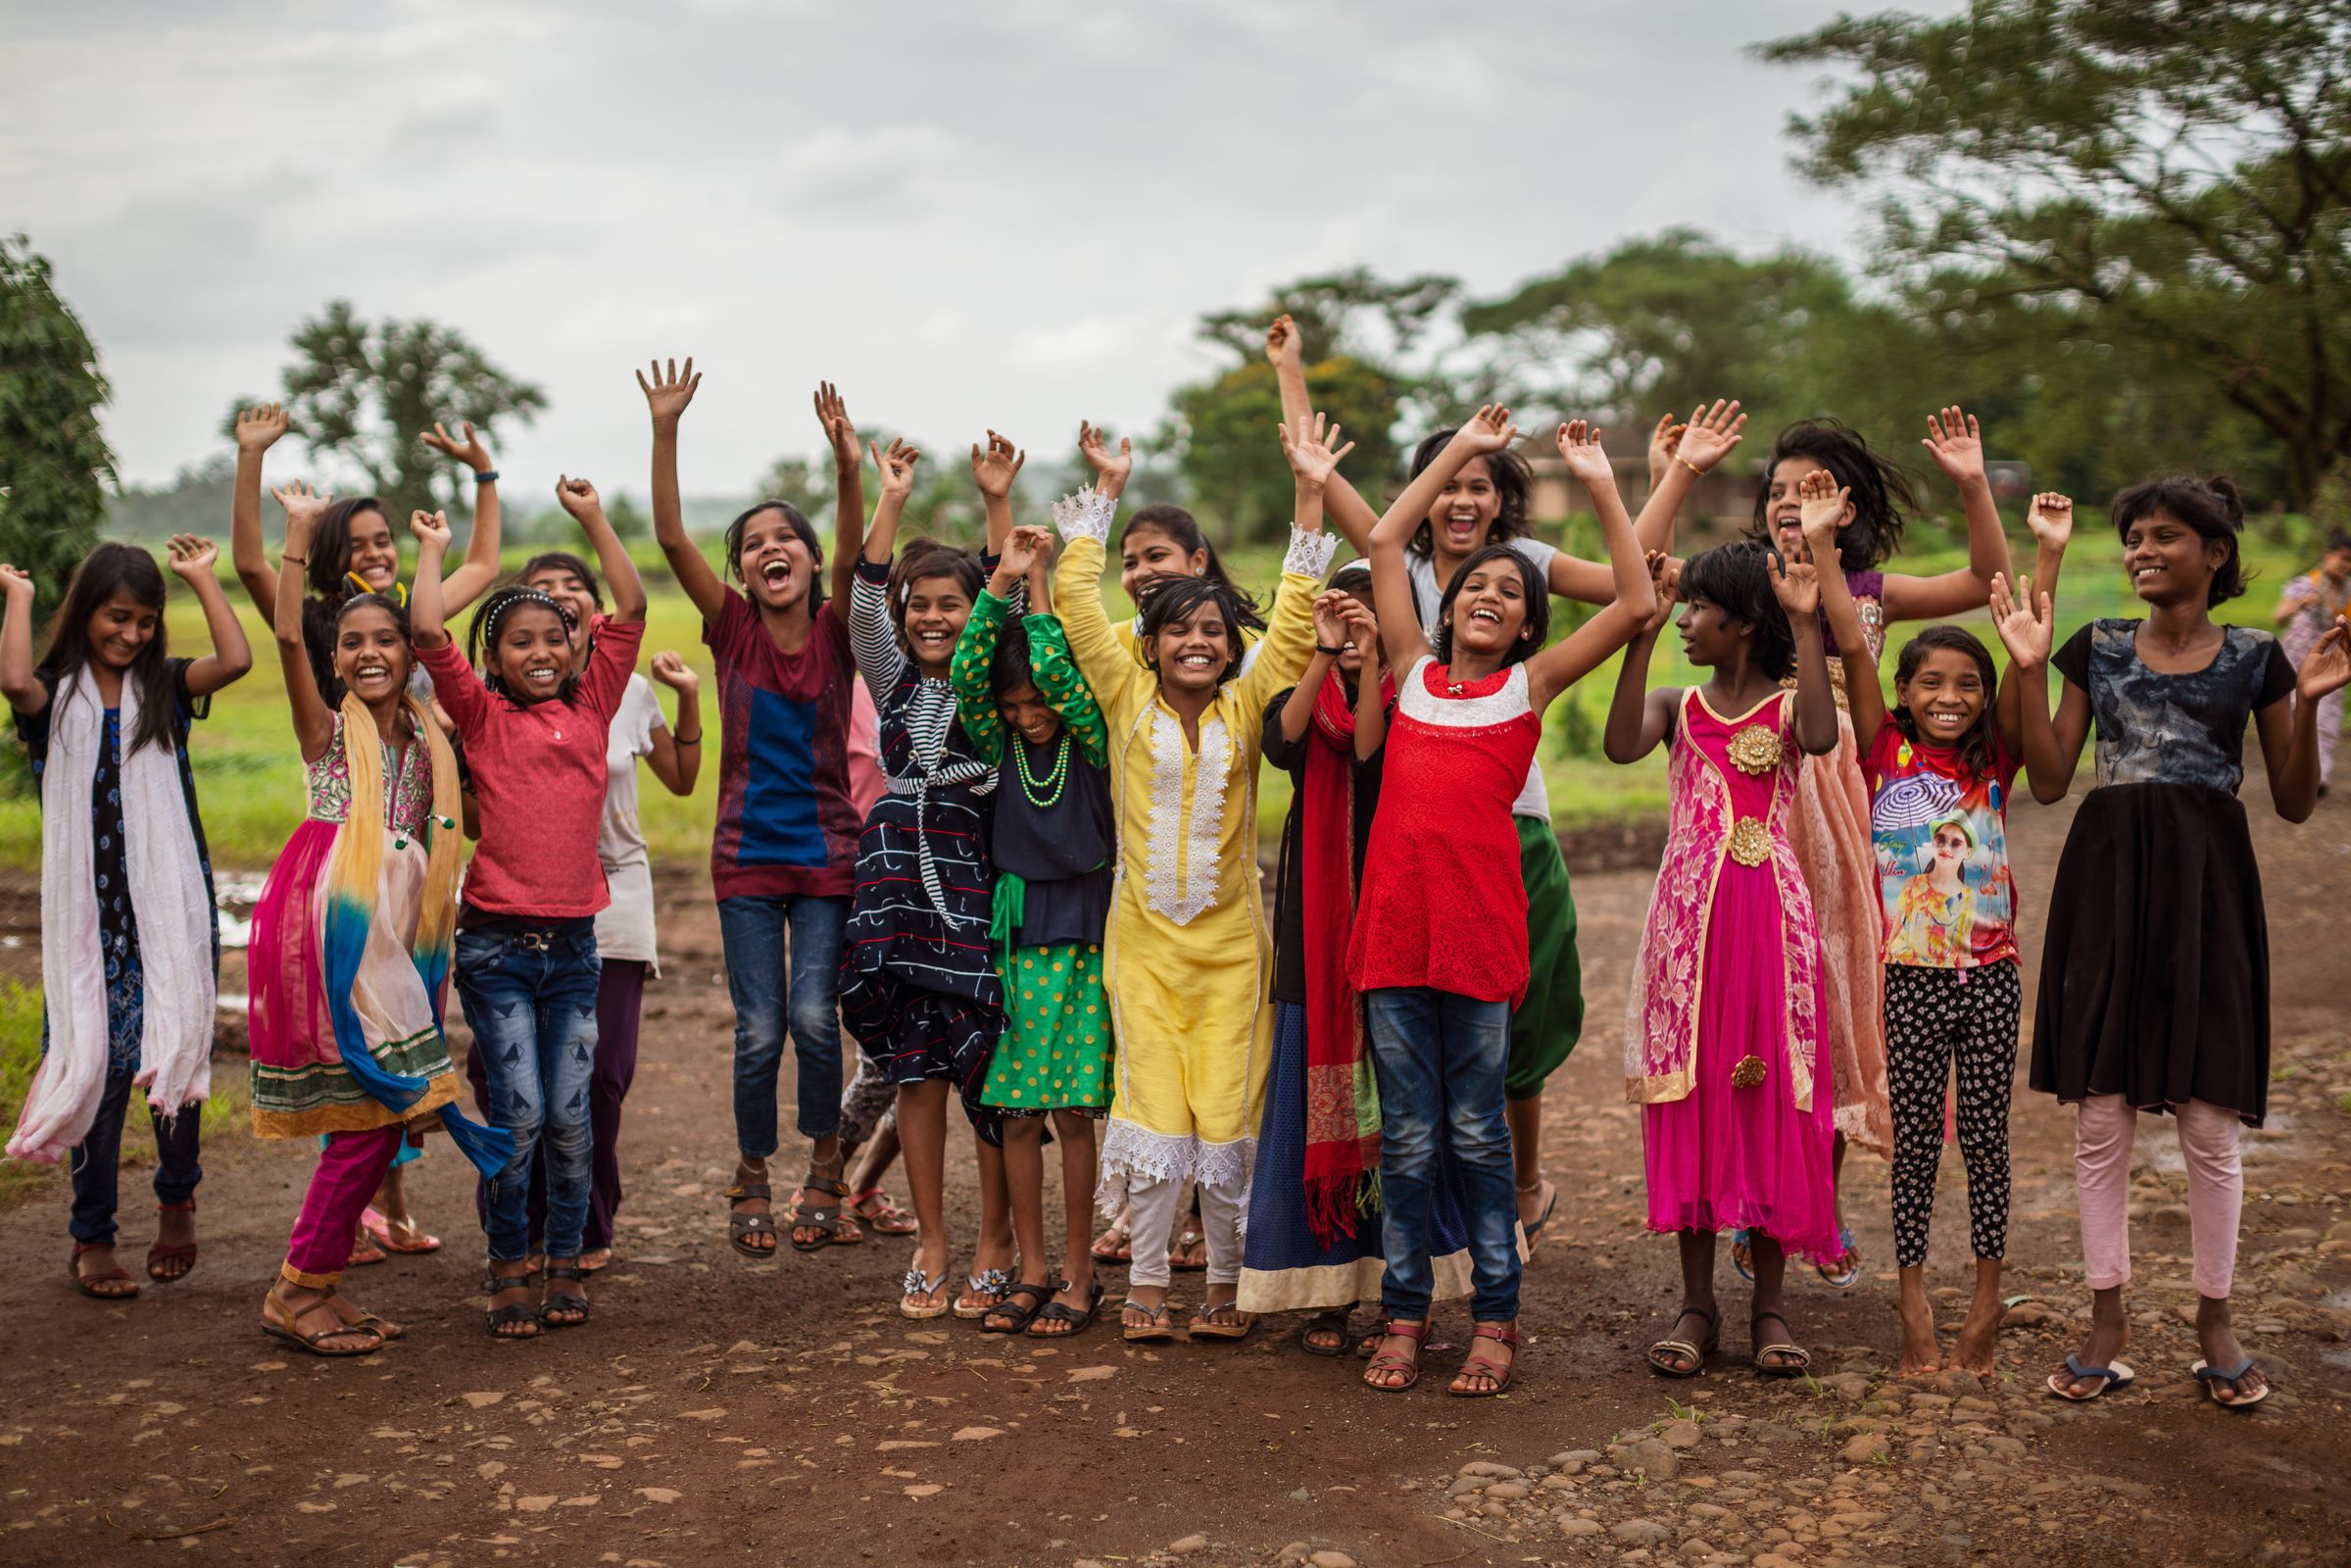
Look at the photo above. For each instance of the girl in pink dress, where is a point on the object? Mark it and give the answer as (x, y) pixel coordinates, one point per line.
(1726, 1048)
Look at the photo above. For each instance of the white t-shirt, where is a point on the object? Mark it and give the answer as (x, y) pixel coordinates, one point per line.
(625, 929)
(1534, 798)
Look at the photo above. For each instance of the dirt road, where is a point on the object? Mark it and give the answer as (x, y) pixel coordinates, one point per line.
(720, 1411)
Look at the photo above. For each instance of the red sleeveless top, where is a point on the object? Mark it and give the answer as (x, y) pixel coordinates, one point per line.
(1444, 903)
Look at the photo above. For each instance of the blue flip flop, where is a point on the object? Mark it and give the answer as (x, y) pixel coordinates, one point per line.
(2117, 1376)
(1743, 1244)
(2212, 1376)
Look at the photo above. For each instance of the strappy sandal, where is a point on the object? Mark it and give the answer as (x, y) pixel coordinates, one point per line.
(1697, 1353)
(1115, 1244)
(880, 1212)
(1477, 1365)
(1205, 1326)
(2212, 1376)
(367, 1320)
(914, 1293)
(171, 1252)
(1338, 1321)
(825, 1217)
(1191, 1242)
(740, 1227)
(498, 1317)
(1158, 1331)
(990, 1286)
(1056, 1312)
(1387, 1361)
(554, 1301)
(316, 1344)
(118, 1275)
(1760, 1359)
(1017, 1307)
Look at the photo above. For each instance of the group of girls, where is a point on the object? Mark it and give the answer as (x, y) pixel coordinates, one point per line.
(1009, 842)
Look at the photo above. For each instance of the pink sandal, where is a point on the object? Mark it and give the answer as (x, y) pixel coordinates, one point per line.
(1390, 1361)
(380, 1229)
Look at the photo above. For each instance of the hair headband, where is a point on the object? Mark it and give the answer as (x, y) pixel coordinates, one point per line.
(513, 598)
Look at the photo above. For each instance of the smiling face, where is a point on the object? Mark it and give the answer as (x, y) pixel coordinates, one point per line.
(118, 628)
(1781, 506)
(777, 566)
(1192, 651)
(568, 589)
(372, 656)
(1147, 553)
(1027, 713)
(1465, 511)
(1488, 611)
(1946, 696)
(2168, 561)
(533, 653)
(936, 609)
(374, 558)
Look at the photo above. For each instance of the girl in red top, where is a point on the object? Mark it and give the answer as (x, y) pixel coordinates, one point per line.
(1439, 949)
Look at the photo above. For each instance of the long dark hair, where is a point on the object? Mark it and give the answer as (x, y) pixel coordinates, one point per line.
(2210, 505)
(1881, 492)
(1171, 599)
(1513, 484)
(105, 571)
(1736, 579)
(1534, 635)
(1185, 529)
(482, 637)
(329, 577)
(800, 526)
(1975, 747)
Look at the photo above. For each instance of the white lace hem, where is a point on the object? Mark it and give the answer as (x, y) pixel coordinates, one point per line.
(1130, 1149)
(1309, 553)
(1086, 514)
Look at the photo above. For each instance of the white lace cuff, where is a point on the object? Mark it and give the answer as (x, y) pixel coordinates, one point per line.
(1310, 553)
(1085, 515)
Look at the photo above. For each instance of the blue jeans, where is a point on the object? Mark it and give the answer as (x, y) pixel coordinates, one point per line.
(97, 1159)
(530, 995)
(777, 987)
(1439, 1055)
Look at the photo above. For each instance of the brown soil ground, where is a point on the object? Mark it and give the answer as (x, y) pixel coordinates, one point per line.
(723, 1411)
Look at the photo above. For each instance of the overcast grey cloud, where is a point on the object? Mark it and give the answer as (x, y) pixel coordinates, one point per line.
(1006, 215)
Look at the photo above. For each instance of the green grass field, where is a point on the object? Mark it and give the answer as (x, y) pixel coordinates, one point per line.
(249, 776)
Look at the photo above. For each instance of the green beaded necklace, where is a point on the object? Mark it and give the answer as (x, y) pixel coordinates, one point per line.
(1051, 783)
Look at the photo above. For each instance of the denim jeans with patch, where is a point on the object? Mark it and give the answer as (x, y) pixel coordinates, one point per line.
(781, 985)
(529, 994)
(1439, 1056)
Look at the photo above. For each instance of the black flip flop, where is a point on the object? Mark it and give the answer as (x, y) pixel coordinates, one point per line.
(1016, 1315)
(1336, 1322)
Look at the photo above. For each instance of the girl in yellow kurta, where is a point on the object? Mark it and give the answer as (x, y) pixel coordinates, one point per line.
(1188, 952)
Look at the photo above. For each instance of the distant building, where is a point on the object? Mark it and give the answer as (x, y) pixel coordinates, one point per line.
(1719, 505)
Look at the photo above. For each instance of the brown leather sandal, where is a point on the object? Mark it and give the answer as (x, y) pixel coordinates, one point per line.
(1479, 1366)
(740, 1227)
(118, 1275)
(1387, 1361)
(171, 1252)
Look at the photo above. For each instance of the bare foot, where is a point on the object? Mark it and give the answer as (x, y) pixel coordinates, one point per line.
(1920, 1353)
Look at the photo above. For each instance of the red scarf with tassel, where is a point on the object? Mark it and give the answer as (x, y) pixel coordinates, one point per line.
(1343, 1100)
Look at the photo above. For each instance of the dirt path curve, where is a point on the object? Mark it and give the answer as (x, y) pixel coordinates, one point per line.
(720, 1411)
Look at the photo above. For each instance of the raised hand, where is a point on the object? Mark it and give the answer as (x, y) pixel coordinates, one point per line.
(1580, 445)
(2051, 519)
(1665, 575)
(16, 585)
(896, 466)
(1094, 444)
(431, 529)
(674, 672)
(1024, 546)
(668, 394)
(2326, 668)
(1330, 618)
(1664, 442)
(302, 505)
(468, 450)
(1362, 629)
(2026, 625)
(578, 497)
(1283, 346)
(1710, 434)
(192, 557)
(1489, 430)
(259, 427)
(1310, 452)
(840, 432)
(1957, 445)
(1822, 505)
(1795, 583)
(995, 466)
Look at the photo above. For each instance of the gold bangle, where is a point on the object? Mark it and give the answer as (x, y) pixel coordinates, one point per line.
(1691, 466)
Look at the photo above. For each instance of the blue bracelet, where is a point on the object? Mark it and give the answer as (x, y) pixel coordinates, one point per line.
(485, 476)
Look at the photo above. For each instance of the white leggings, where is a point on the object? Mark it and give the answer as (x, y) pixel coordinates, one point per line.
(2216, 1190)
(1151, 1207)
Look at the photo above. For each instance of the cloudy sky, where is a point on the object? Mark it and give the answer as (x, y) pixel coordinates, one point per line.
(1002, 214)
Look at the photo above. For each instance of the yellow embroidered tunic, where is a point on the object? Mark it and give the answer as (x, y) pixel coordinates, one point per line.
(1188, 954)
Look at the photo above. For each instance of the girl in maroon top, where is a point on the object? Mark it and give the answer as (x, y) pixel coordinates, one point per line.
(1439, 949)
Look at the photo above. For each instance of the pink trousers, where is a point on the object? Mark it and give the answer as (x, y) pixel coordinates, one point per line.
(351, 1167)
(2216, 1190)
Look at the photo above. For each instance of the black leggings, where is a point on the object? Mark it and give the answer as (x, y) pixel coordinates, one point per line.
(1931, 1017)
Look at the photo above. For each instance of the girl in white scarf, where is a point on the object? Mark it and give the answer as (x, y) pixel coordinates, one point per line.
(128, 951)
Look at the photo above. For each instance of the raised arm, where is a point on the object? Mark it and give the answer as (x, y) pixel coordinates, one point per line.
(1349, 515)
(1289, 629)
(667, 394)
(1111, 470)
(1084, 523)
(994, 467)
(1484, 433)
(967, 672)
(479, 570)
(2289, 742)
(579, 498)
(1330, 639)
(258, 429)
(1552, 670)
(195, 560)
(1371, 708)
(25, 694)
(1681, 453)
(676, 756)
(1796, 585)
(1821, 507)
(2026, 624)
(849, 487)
(427, 621)
(897, 469)
(1956, 444)
(2051, 519)
(314, 721)
(1640, 720)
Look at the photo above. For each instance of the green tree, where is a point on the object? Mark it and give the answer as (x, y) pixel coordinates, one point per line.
(361, 393)
(2168, 178)
(54, 460)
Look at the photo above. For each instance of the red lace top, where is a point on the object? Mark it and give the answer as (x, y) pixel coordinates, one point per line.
(1444, 903)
